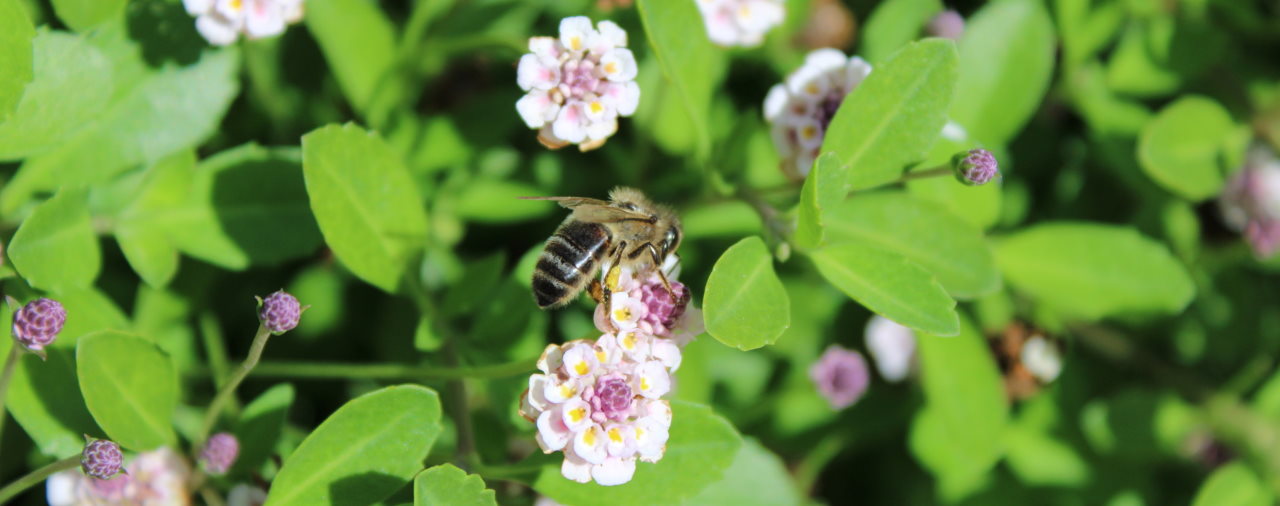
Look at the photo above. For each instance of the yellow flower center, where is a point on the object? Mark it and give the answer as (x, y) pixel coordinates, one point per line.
(237, 4)
(597, 107)
(615, 435)
(577, 414)
(581, 368)
(639, 433)
(611, 68)
(644, 383)
(589, 437)
(629, 340)
(575, 43)
(567, 391)
(601, 356)
(622, 314)
(809, 132)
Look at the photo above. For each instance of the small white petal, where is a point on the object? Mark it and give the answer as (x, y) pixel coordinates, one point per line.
(292, 10)
(197, 7)
(552, 433)
(775, 102)
(612, 34)
(552, 358)
(624, 97)
(599, 110)
(575, 469)
(954, 131)
(808, 133)
(576, 414)
(721, 28)
(808, 83)
(589, 444)
(1042, 359)
(614, 471)
(60, 489)
(576, 33)
(537, 392)
(263, 19)
(533, 73)
(855, 72)
(619, 65)
(825, 59)
(667, 352)
(570, 124)
(536, 108)
(579, 359)
(804, 161)
(893, 347)
(758, 16)
(546, 48)
(558, 392)
(602, 128)
(216, 30)
(231, 10)
(652, 380)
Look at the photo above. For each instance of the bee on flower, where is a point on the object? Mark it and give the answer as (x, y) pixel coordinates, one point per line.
(578, 85)
(602, 410)
(740, 22)
(222, 21)
(800, 109)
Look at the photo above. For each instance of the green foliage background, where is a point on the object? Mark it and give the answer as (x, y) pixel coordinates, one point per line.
(368, 161)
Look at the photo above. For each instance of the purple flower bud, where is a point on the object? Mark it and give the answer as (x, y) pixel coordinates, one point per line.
(610, 398)
(975, 167)
(101, 458)
(841, 376)
(38, 323)
(948, 24)
(220, 451)
(279, 312)
(664, 310)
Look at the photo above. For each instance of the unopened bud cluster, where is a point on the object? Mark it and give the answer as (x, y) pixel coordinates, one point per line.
(279, 312)
(101, 458)
(975, 167)
(600, 402)
(38, 323)
(219, 453)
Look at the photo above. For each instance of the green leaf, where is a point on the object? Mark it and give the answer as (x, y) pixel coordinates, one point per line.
(893, 24)
(745, 304)
(247, 206)
(959, 435)
(689, 62)
(365, 451)
(756, 476)
(1233, 484)
(130, 387)
(1040, 460)
(260, 426)
(81, 15)
(140, 229)
(1006, 62)
(922, 232)
(44, 397)
(71, 86)
(89, 310)
(55, 248)
(365, 201)
(893, 117)
(1093, 271)
(16, 60)
(977, 205)
(358, 42)
(890, 285)
(447, 485)
(498, 201)
(824, 188)
(166, 110)
(1183, 148)
(701, 448)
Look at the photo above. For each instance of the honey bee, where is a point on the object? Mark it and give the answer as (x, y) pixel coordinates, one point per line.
(629, 230)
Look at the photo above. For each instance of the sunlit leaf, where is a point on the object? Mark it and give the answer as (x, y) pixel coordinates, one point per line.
(259, 427)
(689, 62)
(824, 188)
(72, 84)
(1233, 484)
(56, 247)
(44, 398)
(893, 24)
(130, 387)
(447, 485)
(358, 42)
(1182, 149)
(745, 305)
(82, 15)
(889, 284)
(756, 476)
(16, 61)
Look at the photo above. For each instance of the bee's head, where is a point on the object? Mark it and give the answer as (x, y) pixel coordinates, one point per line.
(671, 238)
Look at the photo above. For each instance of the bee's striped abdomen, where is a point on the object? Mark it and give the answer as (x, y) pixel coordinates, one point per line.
(568, 261)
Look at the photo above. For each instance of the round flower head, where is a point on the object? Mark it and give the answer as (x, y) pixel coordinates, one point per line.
(947, 24)
(599, 407)
(38, 323)
(975, 167)
(222, 21)
(101, 458)
(578, 85)
(740, 22)
(1250, 202)
(219, 453)
(841, 376)
(154, 478)
(279, 312)
(892, 345)
(800, 109)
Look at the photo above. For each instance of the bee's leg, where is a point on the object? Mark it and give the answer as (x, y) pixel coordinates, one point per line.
(606, 288)
(597, 291)
(657, 267)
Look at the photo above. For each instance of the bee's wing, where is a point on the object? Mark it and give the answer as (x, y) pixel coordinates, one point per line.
(595, 210)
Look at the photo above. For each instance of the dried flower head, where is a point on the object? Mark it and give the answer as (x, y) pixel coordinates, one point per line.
(740, 22)
(947, 24)
(222, 21)
(841, 376)
(1250, 202)
(101, 458)
(975, 167)
(219, 453)
(893, 347)
(800, 109)
(279, 312)
(38, 323)
(578, 85)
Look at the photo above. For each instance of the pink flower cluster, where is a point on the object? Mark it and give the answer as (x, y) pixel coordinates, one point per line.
(600, 402)
(1250, 202)
(154, 478)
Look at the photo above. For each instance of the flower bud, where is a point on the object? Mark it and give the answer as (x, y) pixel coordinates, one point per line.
(101, 458)
(948, 24)
(279, 312)
(1041, 358)
(893, 347)
(38, 323)
(975, 167)
(220, 452)
(841, 376)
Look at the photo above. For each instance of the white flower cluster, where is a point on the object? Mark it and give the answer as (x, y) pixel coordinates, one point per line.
(600, 402)
(740, 22)
(579, 84)
(893, 346)
(1250, 202)
(154, 478)
(801, 108)
(222, 21)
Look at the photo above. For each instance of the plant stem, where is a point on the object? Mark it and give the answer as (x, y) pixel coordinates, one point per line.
(229, 389)
(809, 468)
(10, 363)
(941, 170)
(772, 218)
(35, 477)
(215, 349)
(458, 405)
(339, 370)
